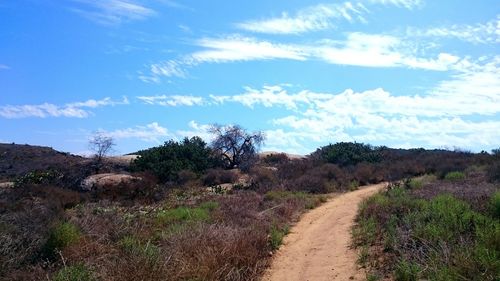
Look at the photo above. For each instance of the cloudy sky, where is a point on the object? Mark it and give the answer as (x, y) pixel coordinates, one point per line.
(401, 73)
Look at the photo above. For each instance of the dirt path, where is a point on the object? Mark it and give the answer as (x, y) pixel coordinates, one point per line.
(317, 247)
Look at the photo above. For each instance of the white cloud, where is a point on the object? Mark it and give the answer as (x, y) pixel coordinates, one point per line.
(409, 4)
(357, 49)
(239, 48)
(376, 50)
(112, 12)
(480, 33)
(196, 129)
(319, 17)
(173, 100)
(151, 133)
(75, 110)
(313, 18)
(4, 67)
(463, 111)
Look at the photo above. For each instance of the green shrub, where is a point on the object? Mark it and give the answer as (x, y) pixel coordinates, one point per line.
(168, 160)
(348, 153)
(135, 247)
(495, 204)
(62, 235)
(276, 236)
(407, 271)
(73, 273)
(454, 176)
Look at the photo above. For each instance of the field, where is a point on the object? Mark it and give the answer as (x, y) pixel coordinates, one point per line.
(226, 223)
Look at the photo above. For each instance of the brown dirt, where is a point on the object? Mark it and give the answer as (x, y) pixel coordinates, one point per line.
(318, 246)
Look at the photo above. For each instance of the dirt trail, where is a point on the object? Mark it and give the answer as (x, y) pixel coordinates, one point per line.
(317, 247)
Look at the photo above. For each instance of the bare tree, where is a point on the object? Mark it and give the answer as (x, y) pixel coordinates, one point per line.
(236, 146)
(101, 145)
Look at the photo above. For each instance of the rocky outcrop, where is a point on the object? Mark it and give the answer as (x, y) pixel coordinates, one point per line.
(108, 180)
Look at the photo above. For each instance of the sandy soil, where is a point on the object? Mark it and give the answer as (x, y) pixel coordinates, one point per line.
(318, 246)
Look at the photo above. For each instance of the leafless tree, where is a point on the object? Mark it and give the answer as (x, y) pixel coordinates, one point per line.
(236, 146)
(101, 145)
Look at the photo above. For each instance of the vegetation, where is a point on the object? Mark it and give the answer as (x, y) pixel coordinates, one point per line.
(168, 160)
(101, 145)
(236, 147)
(73, 273)
(190, 216)
(348, 153)
(443, 230)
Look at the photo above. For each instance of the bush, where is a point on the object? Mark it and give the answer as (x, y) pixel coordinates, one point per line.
(493, 171)
(276, 236)
(495, 205)
(73, 273)
(61, 236)
(407, 271)
(348, 153)
(168, 160)
(275, 159)
(219, 176)
(454, 176)
(441, 238)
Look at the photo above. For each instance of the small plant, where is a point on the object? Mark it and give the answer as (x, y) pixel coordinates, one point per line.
(182, 214)
(276, 236)
(363, 255)
(73, 273)
(373, 277)
(454, 176)
(353, 185)
(135, 247)
(495, 204)
(61, 236)
(407, 271)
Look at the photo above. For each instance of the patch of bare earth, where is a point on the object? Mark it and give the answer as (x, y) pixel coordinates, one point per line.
(319, 245)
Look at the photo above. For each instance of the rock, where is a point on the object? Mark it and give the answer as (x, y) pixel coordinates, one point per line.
(8, 184)
(100, 181)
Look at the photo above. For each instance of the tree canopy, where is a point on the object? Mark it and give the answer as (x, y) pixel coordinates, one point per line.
(235, 146)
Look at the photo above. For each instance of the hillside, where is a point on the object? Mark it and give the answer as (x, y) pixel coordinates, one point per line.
(17, 160)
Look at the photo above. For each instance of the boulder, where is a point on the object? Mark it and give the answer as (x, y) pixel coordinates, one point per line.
(107, 180)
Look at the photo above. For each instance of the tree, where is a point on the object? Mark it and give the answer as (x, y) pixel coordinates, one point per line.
(348, 153)
(235, 146)
(101, 145)
(167, 160)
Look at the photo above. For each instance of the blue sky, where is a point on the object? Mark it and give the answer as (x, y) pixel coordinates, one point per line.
(401, 73)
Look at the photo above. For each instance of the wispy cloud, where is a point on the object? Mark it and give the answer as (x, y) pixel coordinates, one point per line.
(479, 33)
(313, 18)
(375, 50)
(173, 100)
(459, 111)
(239, 48)
(408, 4)
(75, 110)
(356, 49)
(152, 132)
(4, 67)
(112, 12)
(319, 17)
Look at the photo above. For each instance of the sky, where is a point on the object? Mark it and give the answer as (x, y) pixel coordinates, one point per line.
(400, 73)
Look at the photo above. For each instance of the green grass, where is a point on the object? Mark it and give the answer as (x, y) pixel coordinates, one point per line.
(449, 239)
(495, 205)
(73, 273)
(276, 236)
(454, 176)
(135, 247)
(61, 236)
(276, 195)
(407, 271)
(183, 215)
